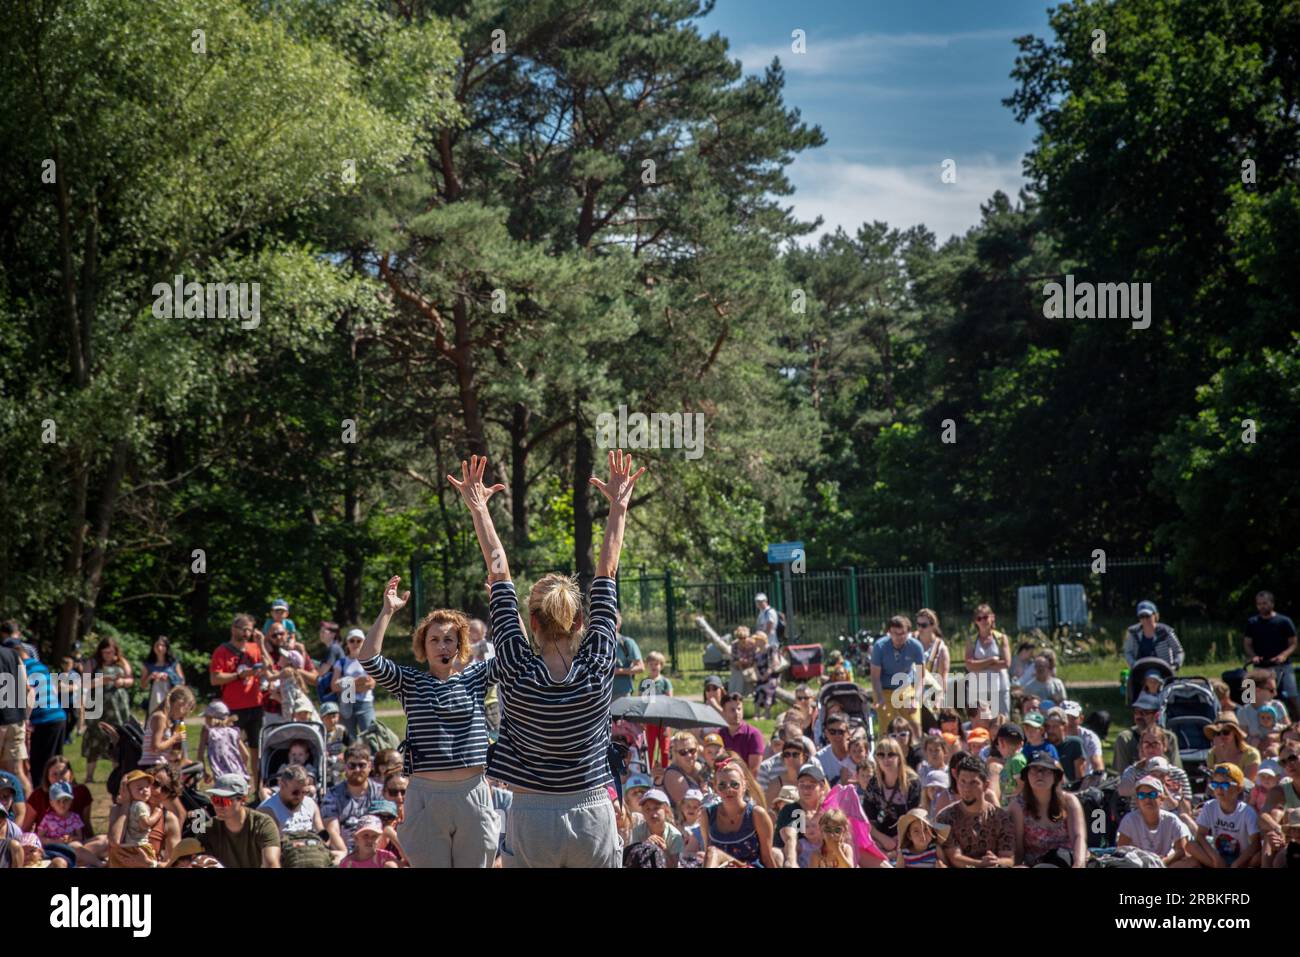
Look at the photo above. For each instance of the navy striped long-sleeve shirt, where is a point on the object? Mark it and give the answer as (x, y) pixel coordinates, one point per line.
(554, 735)
(445, 723)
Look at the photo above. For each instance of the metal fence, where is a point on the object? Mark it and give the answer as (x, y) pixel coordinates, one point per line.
(659, 610)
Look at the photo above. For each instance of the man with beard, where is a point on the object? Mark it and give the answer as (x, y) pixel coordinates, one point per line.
(349, 801)
(240, 836)
(982, 834)
(296, 812)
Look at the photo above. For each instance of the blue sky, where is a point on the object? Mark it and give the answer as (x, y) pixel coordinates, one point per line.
(897, 86)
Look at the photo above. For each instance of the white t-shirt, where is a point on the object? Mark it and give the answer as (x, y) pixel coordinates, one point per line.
(302, 818)
(765, 617)
(1161, 841)
(1091, 743)
(1229, 832)
(832, 765)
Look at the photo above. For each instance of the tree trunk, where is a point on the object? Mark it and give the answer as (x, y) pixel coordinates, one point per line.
(98, 556)
(66, 630)
(519, 420)
(583, 464)
(353, 561)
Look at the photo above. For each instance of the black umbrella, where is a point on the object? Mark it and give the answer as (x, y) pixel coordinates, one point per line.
(667, 710)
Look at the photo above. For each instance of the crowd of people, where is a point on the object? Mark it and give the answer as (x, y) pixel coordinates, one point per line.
(510, 757)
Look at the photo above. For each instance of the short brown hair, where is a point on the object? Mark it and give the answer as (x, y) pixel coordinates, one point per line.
(440, 616)
(901, 621)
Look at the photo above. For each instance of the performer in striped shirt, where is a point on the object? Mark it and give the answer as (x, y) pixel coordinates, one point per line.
(553, 744)
(449, 817)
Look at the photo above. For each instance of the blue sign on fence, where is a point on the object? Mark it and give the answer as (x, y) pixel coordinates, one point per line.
(778, 553)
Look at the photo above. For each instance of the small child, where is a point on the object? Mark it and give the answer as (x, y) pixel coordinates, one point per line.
(919, 840)
(655, 683)
(834, 843)
(221, 747)
(367, 852)
(129, 835)
(34, 853)
(1272, 718)
(386, 811)
(1266, 778)
(61, 824)
(337, 741)
(765, 690)
(693, 840)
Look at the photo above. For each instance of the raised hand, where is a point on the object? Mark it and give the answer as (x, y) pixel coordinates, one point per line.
(392, 603)
(470, 484)
(621, 480)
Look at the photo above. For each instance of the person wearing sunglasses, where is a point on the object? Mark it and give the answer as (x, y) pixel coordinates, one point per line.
(1228, 746)
(237, 668)
(938, 661)
(349, 801)
(988, 657)
(1047, 819)
(1149, 827)
(553, 747)
(890, 793)
(240, 836)
(1146, 711)
(739, 826)
(795, 751)
(1227, 828)
(683, 773)
(898, 675)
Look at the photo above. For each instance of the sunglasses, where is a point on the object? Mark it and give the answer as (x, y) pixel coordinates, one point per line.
(357, 765)
(900, 735)
(687, 752)
(1225, 733)
(400, 792)
(792, 754)
(835, 732)
(1147, 795)
(981, 617)
(728, 785)
(1291, 758)
(1221, 785)
(832, 829)
(219, 800)
(881, 755)
(921, 623)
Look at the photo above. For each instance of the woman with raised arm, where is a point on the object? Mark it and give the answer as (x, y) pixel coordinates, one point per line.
(553, 744)
(450, 820)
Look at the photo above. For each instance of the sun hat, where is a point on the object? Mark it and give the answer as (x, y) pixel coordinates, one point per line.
(788, 793)
(329, 707)
(1270, 767)
(693, 794)
(217, 709)
(185, 847)
(920, 814)
(1227, 722)
(137, 775)
(1275, 709)
(383, 807)
(1147, 702)
(10, 780)
(369, 823)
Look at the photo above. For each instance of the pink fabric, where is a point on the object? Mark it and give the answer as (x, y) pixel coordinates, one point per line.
(844, 797)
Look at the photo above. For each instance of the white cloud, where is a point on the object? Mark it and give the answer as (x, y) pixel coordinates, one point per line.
(827, 55)
(848, 194)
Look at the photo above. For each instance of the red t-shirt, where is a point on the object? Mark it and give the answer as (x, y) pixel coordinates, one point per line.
(245, 692)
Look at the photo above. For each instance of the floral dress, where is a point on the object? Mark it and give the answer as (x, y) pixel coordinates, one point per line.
(117, 709)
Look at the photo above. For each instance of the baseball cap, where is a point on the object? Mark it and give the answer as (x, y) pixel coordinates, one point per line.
(1011, 730)
(356, 633)
(10, 780)
(1270, 767)
(230, 785)
(936, 779)
(383, 807)
(137, 775)
(280, 603)
(1147, 702)
(1158, 763)
(62, 789)
(1072, 708)
(638, 781)
(714, 739)
(1146, 608)
(294, 658)
(1043, 759)
(1035, 719)
(1055, 713)
(977, 736)
(1232, 771)
(713, 681)
(329, 707)
(217, 709)
(761, 596)
(813, 770)
(1153, 783)
(655, 794)
(693, 794)
(369, 823)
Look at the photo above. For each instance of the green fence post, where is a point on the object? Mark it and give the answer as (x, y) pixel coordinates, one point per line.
(671, 611)
(778, 590)
(927, 587)
(852, 593)
(417, 588)
(1051, 596)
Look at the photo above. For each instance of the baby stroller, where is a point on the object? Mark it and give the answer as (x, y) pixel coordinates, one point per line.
(128, 745)
(273, 749)
(855, 702)
(1187, 705)
(1137, 675)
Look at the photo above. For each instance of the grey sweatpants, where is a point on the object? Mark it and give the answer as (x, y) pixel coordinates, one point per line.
(449, 823)
(562, 830)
